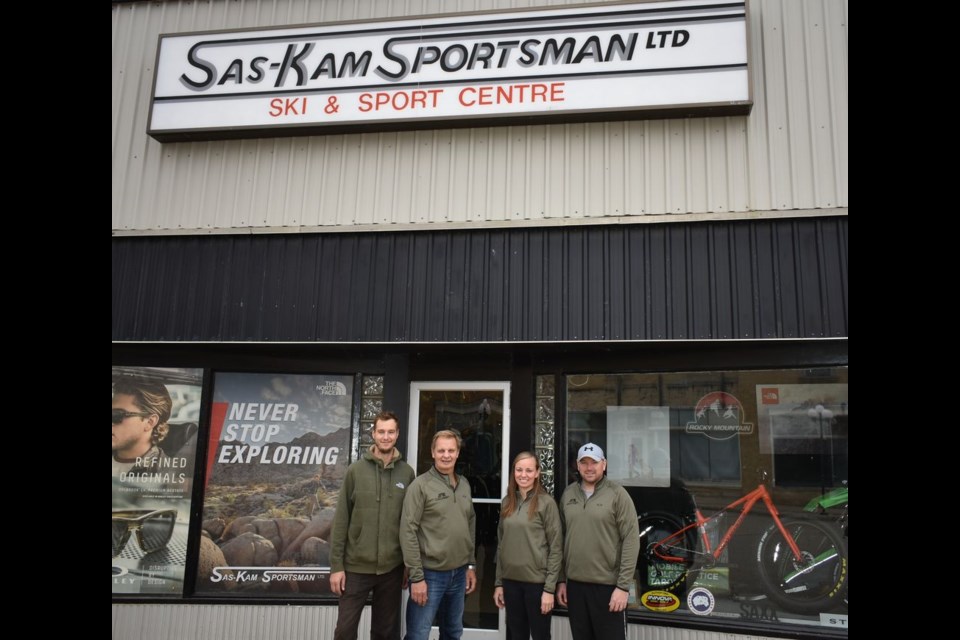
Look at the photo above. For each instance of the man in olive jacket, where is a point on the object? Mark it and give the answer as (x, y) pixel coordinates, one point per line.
(601, 543)
(365, 543)
(437, 538)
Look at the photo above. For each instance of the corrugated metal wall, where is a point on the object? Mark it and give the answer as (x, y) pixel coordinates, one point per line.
(224, 622)
(708, 280)
(255, 622)
(790, 154)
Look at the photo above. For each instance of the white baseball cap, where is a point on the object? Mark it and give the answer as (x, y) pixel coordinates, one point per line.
(590, 450)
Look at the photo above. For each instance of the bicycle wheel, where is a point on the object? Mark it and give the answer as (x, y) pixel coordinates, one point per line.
(814, 584)
(657, 573)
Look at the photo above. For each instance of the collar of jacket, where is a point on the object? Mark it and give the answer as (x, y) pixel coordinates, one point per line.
(596, 486)
(445, 477)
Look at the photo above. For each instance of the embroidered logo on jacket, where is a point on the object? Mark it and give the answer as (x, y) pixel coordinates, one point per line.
(400, 485)
(442, 495)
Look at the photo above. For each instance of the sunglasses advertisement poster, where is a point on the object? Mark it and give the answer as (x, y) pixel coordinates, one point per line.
(156, 415)
(278, 452)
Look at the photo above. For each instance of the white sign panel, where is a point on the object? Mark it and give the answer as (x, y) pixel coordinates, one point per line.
(638, 451)
(648, 59)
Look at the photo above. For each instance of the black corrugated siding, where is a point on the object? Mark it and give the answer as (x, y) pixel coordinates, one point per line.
(713, 280)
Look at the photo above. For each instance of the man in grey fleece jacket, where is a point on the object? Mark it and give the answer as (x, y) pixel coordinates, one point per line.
(365, 551)
(600, 549)
(437, 538)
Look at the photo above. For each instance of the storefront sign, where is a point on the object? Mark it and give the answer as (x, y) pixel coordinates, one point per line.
(594, 62)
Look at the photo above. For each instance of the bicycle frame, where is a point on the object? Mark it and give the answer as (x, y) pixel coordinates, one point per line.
(828, 500)
(747, 501)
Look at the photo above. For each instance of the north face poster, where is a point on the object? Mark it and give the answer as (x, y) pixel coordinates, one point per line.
(278, 450)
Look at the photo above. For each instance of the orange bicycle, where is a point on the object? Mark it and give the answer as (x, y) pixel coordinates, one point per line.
(802, 562)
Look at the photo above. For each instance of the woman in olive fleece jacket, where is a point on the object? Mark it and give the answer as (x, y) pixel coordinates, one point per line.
(529, 551)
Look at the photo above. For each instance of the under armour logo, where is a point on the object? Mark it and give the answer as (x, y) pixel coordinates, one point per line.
(588, 448)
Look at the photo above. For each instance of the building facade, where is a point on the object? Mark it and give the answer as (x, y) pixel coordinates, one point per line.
(668, 282)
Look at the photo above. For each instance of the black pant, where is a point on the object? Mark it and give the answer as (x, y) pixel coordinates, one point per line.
(522, 601)
(590, 615)
(385, 618)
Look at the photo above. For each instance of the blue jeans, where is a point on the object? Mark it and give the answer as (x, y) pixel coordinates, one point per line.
(446, 592)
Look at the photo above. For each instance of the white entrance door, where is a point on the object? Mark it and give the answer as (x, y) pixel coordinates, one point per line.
(480, 413)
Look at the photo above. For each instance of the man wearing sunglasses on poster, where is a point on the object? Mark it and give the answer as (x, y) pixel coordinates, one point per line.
(141, 410)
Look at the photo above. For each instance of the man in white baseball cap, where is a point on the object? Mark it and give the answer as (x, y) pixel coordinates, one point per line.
(591, 450)
(599, 574)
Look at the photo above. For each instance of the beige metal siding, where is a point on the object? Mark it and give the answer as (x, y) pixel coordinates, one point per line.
(297, 622)
(788, 157)
(800, 89)
(224, 622)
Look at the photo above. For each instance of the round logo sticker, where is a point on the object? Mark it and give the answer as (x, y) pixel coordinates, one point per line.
(660, 601)
(700, 601)
(719, 416)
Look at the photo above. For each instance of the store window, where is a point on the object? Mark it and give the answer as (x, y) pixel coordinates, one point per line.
(278, 450)
(703, 454)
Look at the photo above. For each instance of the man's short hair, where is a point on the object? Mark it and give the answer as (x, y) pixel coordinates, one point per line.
(446, 433)
(384, 416)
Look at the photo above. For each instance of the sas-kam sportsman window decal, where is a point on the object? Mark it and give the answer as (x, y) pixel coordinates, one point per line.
(594, 62)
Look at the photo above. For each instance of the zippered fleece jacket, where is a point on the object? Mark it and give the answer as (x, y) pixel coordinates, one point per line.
(437, 525)
(601, 536)
(530, 550)
(366, 526)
